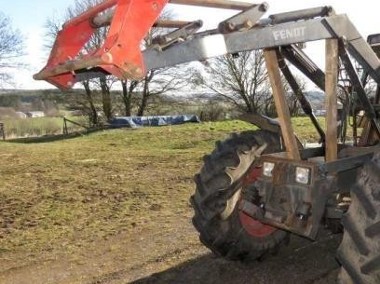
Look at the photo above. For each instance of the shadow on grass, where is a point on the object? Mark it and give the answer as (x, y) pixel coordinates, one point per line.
(301, 262)
(207, 269)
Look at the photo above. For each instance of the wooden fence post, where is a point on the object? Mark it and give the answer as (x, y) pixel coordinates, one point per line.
(2, 131)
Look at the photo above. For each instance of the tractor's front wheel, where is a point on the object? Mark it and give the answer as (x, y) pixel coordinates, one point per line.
(359, 252)
(230, 169)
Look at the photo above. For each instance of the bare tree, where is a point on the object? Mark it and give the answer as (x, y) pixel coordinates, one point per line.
(11, 48)
(128, 90)
(242, 80)
(95, 42)
(85, 101)
(162, 81)
(88, 102)
(138, 96)
(90, 107)
(269, 108)
(239, 78)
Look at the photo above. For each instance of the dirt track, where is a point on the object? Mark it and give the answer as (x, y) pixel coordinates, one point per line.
(149, 255)
(300, 262)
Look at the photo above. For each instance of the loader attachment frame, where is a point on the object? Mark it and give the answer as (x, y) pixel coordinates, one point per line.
(120, 53)
(128, 22)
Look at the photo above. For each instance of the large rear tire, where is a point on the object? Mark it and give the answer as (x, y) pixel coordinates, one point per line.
(359, 252)
(223, 228)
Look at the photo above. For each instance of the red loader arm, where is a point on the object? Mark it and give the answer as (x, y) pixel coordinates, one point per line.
(120, 55)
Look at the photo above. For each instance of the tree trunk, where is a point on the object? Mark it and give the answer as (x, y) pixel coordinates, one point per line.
(106, 98)
(145, 94)
(144, 99)
(126, 96)
(93, 114)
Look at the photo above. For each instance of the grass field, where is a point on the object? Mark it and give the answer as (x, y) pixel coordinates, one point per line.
(62, 194)
(60, 197)
(17, 127)
(33, 127)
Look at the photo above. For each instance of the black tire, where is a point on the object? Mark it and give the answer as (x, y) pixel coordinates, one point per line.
(216, 197)
(359, 252)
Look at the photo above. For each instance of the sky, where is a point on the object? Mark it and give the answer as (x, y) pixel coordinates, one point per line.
(29, 17)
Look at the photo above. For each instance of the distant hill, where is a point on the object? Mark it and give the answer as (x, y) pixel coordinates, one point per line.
(317, 99)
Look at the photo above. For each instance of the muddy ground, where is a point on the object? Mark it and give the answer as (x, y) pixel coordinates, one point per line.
(151, 255)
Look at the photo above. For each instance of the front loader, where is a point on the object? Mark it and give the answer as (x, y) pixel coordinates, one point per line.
(257, 187)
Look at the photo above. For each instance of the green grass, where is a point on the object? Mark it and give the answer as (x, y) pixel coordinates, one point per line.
(59, 196)
(305, 130)
(62, 195)
(51, 126)
(17, 127)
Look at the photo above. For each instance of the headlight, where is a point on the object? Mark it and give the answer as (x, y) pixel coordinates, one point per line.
(267, 169)
(303, 175)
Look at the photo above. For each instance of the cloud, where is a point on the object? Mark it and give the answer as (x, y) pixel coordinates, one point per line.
(35, 52)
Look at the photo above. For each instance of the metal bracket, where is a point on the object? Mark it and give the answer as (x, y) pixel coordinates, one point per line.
(178, 35)
(244, 20)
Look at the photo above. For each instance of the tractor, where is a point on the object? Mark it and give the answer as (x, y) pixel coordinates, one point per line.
(258, 187)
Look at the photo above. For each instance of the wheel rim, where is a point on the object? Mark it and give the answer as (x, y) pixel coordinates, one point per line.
(252, 226)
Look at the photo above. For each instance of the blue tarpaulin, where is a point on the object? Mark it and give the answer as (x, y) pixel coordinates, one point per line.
(134, 121)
